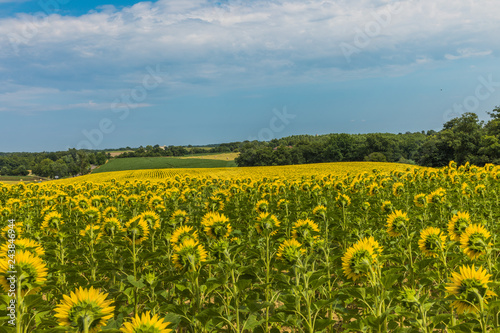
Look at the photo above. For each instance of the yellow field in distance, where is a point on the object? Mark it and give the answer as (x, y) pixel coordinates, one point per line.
(290, 172)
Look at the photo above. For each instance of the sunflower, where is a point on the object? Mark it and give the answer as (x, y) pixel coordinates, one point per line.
(110, 212)
(436, 196)
(5, 211)
(466, 285)
(319, 211)
(398, 189)
(155, 201)
(18, 228)
(179, 217)
(146, 324)
(24, 244)
(480, 189)
(457, 225)
(190, 254)
(343, 200)
(151, 218)
(420, 200)
(374, 189)
(183, 233)
(431, 241)
(387, 206)
(290, 251)
(91, 231)
(30, 272)
(475, 240)
(111, 226)
(52, 221)
(267, 224)
(216, 225)
(84, 309)
(305, 231)
(261, 206)
(397, 223)
(359, 259)
(137, 229)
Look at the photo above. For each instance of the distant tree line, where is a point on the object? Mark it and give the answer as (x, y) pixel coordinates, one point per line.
(462, 139)
(50, 164)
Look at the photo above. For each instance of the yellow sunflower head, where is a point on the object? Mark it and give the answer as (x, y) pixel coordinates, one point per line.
(152, 219)
(457, 225)
(431, 241)
(290, 251)
(475, 241)
(84, 309)
(111, 226)
(480, 189)
(319, 211)
(420, 200)
(155, 201)
(13, 228)
(360, 258)
(267, 224)
(110, 212)
(216, 225)
(398, 189)
(343, 200)
(52, 222)
(261, 206)
(146, 324)
(30, 272)
(189, 255)
(305, 231)
(179, 217)
(183, 233)
(467, 286)
(92, 232)
(23, 244)
(397, 223)
(437, 196)
(387, 206)
(136, 229)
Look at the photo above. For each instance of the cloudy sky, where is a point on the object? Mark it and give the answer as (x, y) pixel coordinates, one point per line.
(108, 74)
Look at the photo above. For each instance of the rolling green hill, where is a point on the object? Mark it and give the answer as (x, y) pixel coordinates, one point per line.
(137, 163)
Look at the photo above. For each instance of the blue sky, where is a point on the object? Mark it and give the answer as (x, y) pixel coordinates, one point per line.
(109, 74)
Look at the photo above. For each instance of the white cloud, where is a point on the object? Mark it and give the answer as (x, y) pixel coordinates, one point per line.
(467, 53)
(241, 43)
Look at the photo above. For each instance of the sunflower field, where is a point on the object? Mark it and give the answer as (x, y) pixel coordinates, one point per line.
(366, 247)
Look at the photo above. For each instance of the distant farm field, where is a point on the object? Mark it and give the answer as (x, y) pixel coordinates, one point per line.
(221, 156)
(137, 163)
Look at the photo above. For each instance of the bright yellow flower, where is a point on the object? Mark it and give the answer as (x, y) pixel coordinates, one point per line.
(84, 307)
(457, 225)
(183, 233)
(431, 241)
(290, 251)
(359, 259)
(397, 223)
(189, 255)
(145, 324)
(475, 241)
(31, 271)
(465, 284)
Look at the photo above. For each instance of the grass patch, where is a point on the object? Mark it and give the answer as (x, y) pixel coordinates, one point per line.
(138, 163)
(16, 179)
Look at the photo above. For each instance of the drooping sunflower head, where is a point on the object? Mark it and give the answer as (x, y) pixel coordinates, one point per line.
(214, 203)
(189, 255)
(216, 225)
(136, 229)
(475, 241)
(437, 196)
(387, 206)
(84, 307)
(30, 272)
(343, 200)
(290, 251)
(24, 244)
(480, 189)
(179, 217)
(52, 222)
(360, 258)
(92, 215)
(397, 223)
(420, 200)
(305, 231)
(146, 324)
(110, 212)
(398, 189)
(319, 211)
(155, 201)
(457, 225)
(431, 241)
(261, 206)
(152, 219)
(111, 226)
(183, 233)
(267, 224)
(466, 285)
